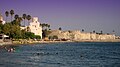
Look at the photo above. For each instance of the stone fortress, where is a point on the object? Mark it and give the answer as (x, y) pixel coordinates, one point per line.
(77, 35)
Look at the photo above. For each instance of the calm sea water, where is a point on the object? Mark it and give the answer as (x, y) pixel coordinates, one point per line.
(61, 55)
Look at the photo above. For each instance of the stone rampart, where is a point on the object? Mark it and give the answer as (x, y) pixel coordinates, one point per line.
(77, 35)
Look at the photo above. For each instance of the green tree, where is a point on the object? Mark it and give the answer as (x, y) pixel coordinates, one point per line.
(15, 32)
(1, 27)
(29, 35)
(7, 28)
(12, 13)
(12, 29)
(7, 14)
(55, 37)
(37, 37)
(23, 34)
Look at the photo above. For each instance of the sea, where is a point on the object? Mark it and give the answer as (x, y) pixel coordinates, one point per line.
(76, 54)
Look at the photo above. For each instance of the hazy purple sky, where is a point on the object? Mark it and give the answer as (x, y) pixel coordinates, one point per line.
(70, 14)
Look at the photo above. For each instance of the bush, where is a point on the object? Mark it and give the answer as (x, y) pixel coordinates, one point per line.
(37, 37)
(29, 35)
(53, 37)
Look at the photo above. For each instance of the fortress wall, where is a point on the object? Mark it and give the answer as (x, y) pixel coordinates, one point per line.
(93, 36)
(85, 36)
(77, 35)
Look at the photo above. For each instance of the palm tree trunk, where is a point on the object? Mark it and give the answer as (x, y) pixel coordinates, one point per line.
(24, 22)
(11, 18)
(6, 19)
(28, 22)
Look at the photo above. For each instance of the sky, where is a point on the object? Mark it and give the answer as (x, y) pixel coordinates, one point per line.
(70, 14)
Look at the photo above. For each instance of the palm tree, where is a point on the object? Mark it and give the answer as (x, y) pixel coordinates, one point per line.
(101, 32)
(16, 17)
(48, 26)
(24, 17)
(20, 19)
(43, 25)
(12, 13)
(82, 30)
(28, 18)
(60, 28)
(7, 14)
(93, 31)
(113, 31)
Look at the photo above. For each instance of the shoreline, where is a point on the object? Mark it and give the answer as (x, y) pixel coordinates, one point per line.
(115, 40)
(22, 42)
(43, 42)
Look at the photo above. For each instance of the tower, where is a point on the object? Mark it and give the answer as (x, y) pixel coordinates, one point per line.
(35, 27)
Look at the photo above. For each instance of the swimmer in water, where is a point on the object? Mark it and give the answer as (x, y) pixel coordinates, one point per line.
(11, 50)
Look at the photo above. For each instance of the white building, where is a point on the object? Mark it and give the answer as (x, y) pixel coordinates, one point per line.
(34, 27)
(1, 19)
